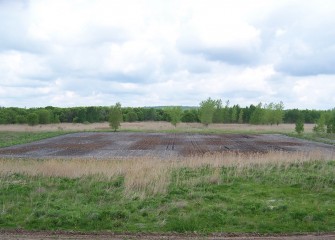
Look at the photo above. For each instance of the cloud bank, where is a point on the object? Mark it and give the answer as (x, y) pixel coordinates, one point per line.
(149, 53)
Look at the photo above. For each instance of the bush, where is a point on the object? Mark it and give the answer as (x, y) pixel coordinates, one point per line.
(299, 126)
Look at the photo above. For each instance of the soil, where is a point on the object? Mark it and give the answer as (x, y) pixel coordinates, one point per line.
(125, 144)
(32, 235)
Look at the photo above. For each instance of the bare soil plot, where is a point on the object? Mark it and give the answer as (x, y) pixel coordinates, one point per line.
(121, 144)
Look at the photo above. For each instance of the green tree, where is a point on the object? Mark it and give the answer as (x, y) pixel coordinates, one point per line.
(32, 119)
(330, 121)
(218, 113)
(43, 116)
(240, 117)
(279, 112)
(299, 125)
(257, 116)
(131, 116)
(268, 114)
(206, 111)
(190, 116)
(234, 115)
(56, 119)
(21, 119)
(149, 114)
(175, 114)
(227, 113)
(320, 125)
(333, 125)
(115, 116)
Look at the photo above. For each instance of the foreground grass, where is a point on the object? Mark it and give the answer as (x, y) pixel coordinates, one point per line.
(15, 138)
(276, 193)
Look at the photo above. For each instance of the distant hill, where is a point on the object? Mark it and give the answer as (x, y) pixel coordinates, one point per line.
(182, 107)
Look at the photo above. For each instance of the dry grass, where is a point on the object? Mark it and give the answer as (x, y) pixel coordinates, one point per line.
(284, 128)
(154, 126)
(152, 175)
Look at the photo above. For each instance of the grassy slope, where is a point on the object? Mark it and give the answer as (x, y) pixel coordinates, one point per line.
(294, 198)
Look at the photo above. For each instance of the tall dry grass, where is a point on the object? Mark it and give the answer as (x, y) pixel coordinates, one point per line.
(151, 175)
(154, 126)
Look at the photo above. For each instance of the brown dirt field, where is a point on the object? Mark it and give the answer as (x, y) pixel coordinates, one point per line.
(30, 235)
(153, 126)
(124, 144)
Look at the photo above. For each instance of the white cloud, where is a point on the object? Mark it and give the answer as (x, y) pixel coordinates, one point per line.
(148, 52)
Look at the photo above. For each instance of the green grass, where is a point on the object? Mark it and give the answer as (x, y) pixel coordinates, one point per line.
(323, 138)
(264, 199)
(15, 138)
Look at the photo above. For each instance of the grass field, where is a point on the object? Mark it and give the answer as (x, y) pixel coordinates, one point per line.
(273, 193)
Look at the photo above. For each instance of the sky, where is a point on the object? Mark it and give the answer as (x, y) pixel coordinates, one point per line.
(156, 52)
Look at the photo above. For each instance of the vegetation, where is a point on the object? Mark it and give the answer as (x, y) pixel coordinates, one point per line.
(264, 194)
(14, 138)
(316, 137)
(32, 119)
(320, 125)
(175, 114)
(272, 113)
(299, 126)
(115, 116)
(206, 111)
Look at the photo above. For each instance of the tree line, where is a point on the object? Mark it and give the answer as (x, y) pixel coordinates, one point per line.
(209, 111)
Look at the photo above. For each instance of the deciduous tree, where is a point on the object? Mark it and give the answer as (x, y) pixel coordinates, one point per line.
(240, 117)
(320, 125)
(175, 114)
(115, 116)
(32, 119)
(299, 125)
(206, 111)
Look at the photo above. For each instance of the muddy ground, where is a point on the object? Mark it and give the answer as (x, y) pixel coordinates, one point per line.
(122, 144)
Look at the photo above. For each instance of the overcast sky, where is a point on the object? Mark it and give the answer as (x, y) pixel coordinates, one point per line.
(158, 52)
